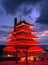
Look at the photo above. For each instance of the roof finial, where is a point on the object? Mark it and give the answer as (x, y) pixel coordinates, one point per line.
(15, 23)
(20, 17)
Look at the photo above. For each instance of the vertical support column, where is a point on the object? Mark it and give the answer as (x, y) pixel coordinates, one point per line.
(26, 56)
(42, 59)
(34, 58)
(16, 56)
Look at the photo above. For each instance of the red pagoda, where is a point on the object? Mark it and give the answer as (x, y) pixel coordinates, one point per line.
(21, 42)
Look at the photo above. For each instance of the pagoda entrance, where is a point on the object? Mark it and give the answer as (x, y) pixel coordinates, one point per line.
(22, 52)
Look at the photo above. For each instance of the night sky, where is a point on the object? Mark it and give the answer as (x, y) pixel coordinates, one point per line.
(32, 11)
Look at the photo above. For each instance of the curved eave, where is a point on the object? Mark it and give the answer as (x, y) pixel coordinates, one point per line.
(23, 42)
(9, 48)
(22, 24)
(21, 31)
(35, 48)
(22, 37)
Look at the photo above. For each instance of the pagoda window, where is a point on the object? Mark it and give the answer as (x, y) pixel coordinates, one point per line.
(22, 27)
(23, 33)
(24, 39)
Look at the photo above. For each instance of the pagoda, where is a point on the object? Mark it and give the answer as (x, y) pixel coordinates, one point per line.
(22, 40)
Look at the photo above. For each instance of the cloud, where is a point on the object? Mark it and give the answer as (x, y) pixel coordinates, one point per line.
(11, 6)
(41, 27)
(43, 19)
(42, 33)
(1, 10)
(2, 42)
(17, 8)
(4, 30)
(43, 37)
(43, 40)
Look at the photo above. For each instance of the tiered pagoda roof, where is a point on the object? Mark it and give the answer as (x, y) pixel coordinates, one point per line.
(22, 35)
(31, 42)
(35, 48)
(22, 30)
(22, 24)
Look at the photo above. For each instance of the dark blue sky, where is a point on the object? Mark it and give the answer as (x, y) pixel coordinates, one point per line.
(33, 11)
